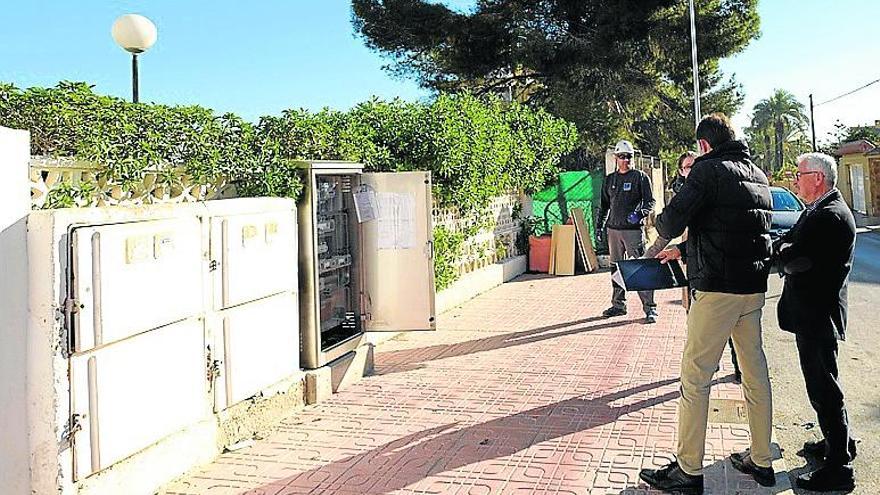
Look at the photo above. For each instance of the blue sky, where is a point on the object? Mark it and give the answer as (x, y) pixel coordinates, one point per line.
(278, 54)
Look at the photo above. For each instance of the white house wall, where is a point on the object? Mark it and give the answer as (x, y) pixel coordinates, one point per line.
(14, 208)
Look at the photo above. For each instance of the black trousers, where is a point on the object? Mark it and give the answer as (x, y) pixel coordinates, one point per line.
(819, 365)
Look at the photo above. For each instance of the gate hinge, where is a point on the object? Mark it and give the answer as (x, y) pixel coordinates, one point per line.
(71, 307)
(73, 428)
(212, 266)
(214, 368)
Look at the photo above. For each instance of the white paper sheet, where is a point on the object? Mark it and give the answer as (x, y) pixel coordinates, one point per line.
(396, 218)
(617, 278)
(365, 205)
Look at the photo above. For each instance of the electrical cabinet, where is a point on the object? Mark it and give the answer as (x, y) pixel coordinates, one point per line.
(366, 250)
(254, 279)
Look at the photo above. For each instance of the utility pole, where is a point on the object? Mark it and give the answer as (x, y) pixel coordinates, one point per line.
(695, 69)
(812, 122)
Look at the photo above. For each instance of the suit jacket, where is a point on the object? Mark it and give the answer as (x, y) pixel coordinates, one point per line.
(816, 267)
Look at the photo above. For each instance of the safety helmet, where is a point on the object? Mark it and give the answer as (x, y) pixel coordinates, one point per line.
(624, 146)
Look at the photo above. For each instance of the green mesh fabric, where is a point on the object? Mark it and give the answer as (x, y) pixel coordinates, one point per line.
(579, 189)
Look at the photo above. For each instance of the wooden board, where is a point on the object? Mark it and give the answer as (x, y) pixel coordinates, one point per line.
(591, 262)
(552, 267)
(564, 258)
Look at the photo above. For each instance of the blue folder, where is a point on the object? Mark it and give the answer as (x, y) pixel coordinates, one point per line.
(650, 274)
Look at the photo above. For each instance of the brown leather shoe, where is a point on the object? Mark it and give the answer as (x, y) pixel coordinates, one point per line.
(743, 463)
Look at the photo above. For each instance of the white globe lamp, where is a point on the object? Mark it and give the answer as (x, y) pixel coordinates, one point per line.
(135, 34)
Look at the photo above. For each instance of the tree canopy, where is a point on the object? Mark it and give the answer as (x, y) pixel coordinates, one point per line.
(780, 117)
(616, 69)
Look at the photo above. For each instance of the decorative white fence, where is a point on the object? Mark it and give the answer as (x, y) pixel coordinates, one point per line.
(82, 182)
(53, 179)
(496, 239)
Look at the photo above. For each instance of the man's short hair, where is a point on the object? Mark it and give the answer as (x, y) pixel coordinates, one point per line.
(716, 129)
(821, 162)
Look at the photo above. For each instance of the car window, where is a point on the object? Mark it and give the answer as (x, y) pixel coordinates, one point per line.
(785, 201)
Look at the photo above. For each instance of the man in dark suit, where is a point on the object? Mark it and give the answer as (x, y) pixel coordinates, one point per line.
(815, 257)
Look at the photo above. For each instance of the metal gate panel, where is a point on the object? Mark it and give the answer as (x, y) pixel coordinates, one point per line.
(131, 277)
(261, 345)
(255, 256)
(130, 394)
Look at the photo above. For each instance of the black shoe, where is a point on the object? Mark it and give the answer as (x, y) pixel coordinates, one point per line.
(612, 311)
(651, 316)
(828, 479)
(816, 449)
(743, 463)
(672, 479)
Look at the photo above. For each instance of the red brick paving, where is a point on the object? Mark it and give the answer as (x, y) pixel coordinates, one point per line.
(521, 391)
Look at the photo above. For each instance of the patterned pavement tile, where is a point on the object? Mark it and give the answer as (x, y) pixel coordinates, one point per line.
(523, 390)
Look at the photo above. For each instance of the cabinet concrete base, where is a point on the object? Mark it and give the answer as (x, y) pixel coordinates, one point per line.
(256, 416)
(342, 372)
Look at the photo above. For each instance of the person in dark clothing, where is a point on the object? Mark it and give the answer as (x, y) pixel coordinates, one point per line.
(685, 163)
(725, 205)
(815, 257)
(626, 201)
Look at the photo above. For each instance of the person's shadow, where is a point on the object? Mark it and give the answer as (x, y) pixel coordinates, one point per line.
(411, 359)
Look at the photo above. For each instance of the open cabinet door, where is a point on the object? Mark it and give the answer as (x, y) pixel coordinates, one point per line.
(397, 253)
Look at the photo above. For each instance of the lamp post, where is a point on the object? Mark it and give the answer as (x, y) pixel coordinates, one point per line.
(695, 66)
(135, 34)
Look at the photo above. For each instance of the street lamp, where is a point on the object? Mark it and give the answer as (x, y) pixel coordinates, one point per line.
(135, 34)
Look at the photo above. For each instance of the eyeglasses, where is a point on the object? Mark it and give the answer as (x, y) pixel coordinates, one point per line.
(624, 156)
(798, 175)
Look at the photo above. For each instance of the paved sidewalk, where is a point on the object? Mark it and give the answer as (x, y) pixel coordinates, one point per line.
(520, 391)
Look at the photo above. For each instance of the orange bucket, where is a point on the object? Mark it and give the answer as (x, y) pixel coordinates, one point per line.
(539, 253)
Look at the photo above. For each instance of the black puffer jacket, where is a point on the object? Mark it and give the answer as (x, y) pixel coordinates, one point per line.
(725, 203)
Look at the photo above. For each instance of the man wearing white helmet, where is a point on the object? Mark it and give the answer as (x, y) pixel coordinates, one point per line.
(627, 199)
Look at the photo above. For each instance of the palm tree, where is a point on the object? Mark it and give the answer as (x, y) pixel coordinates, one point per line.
(782, 115)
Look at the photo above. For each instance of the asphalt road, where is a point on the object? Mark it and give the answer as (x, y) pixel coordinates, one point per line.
(859, 363)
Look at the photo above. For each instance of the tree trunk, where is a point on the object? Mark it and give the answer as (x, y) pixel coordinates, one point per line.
(779, 138)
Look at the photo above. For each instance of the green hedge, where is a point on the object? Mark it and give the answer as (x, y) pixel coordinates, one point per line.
(476, 149)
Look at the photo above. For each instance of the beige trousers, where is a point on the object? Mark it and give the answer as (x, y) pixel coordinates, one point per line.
(712, 320)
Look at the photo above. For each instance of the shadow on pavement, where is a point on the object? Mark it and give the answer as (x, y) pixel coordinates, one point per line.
(410, 359)
(412, 458)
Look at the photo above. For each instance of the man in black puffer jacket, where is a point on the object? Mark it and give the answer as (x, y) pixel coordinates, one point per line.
(725, 205)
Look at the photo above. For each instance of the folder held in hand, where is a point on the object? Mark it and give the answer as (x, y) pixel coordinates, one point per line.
(649, 274)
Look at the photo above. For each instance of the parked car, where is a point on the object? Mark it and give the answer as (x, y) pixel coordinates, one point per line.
(787, 208)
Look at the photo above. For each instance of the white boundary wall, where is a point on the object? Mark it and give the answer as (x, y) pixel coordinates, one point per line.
(15, 204)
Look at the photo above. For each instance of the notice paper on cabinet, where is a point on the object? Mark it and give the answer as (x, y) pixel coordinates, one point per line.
(365, 205)
(397, 212)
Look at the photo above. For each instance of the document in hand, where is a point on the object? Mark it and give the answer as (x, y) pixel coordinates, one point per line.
(649, 274)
